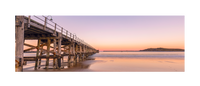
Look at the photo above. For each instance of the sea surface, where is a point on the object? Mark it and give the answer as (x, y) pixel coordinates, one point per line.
(118, 62)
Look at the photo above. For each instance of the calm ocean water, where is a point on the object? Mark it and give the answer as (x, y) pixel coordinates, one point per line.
(121, 62)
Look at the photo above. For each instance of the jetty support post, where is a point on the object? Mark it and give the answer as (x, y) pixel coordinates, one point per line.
(48, 50)
(69, 56)
(37, 54)
(73, 51)
(59, 49)
(41, 52)
(17, 57)
(19, 40)
(76, 50)
(80, 53)
(84, 52)
(54, 49)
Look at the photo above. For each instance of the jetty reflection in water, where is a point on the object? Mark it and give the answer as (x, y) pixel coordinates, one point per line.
(122, 62)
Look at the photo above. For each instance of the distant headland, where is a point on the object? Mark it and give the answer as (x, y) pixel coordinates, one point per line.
(162, 49)
(148, 49)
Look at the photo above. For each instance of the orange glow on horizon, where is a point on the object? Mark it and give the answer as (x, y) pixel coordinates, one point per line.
(134, 47)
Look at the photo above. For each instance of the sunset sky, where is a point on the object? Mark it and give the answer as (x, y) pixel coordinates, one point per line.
(126, 32)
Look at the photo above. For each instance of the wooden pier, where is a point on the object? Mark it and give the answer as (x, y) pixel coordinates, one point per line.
(64, 43)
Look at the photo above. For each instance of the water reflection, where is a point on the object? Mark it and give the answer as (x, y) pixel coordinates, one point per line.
(66, 66)
(121, 62)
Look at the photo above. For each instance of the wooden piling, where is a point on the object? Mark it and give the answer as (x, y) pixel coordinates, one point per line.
(41, 52)
(19, 42)
(59, 49)
(19, 38)
(73, 51)
(54, 49)
(79, 53)
(69, 56)
(48, 49)
(37, 54)
(76, 53)
(84, 52)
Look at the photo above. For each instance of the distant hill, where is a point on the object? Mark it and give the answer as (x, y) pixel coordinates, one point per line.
(162, 49)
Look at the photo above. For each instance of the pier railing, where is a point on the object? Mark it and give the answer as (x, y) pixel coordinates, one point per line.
(43, 20)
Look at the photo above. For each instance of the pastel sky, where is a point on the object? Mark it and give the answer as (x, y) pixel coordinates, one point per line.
(126, 32)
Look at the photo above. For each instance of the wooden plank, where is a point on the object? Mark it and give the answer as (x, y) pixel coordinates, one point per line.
(41, 48)
(39, 37)
(29, 49)
(36, 30)
(29, 59)
(43, 57)
(29, 45)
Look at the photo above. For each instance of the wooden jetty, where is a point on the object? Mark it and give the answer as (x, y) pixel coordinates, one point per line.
(64, 43)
